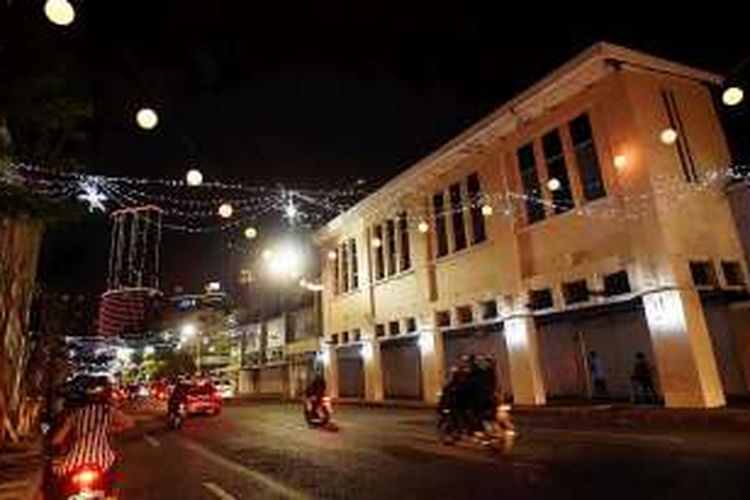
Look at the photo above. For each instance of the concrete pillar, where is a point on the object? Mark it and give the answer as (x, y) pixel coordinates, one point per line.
(526, 378)
(432, 359)
(682, 347)
(245, 385)
(331, 370)
(373, 370)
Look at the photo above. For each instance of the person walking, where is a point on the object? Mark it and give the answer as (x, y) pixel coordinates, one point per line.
(598, 378)
(643, 380)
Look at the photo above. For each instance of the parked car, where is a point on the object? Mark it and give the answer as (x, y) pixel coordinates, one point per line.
(202, 397)
(225, 388)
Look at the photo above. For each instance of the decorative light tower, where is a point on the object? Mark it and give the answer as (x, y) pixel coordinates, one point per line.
(133, 278)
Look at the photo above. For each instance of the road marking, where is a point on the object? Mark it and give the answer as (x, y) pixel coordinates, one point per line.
(218, 491)
(277, 487)
(152, 441)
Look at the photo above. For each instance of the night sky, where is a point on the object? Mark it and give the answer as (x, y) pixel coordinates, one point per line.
(323, 92)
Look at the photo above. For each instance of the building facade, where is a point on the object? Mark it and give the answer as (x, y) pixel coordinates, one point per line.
(588, 214)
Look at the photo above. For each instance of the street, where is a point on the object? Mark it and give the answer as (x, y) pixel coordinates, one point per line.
(264, 450)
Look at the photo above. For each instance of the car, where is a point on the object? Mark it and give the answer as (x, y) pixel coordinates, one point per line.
(225, 388)
(202, 397)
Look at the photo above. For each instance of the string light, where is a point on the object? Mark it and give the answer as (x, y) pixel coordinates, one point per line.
(553, 184)
(487, 210)
(423, 227)
(92, 195)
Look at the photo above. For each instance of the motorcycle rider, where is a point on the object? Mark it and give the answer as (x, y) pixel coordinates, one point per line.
(89, 422)
(177, 398)
(315, 392)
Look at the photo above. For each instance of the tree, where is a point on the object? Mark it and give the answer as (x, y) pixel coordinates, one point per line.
(44, 114)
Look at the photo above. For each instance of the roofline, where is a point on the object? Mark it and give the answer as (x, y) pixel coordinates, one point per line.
(602, 53)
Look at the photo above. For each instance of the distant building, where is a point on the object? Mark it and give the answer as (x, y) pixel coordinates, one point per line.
(586, 214)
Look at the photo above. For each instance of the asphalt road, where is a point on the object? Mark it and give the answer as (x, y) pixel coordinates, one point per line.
(264, 450)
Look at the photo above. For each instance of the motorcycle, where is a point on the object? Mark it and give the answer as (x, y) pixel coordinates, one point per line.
(494, 430)
(176, 416)
(318, 411)
(88, 482)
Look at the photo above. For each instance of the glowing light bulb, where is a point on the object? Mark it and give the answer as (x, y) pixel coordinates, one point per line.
(553, 184)
(332, 255)
(377, 243)
(251, 233)
(147, 118)
(423, 227)
(668, 136)
(620, 161)
(194, 177)
(487, 210)
(59, 12)
(732, 96)
(225, 210)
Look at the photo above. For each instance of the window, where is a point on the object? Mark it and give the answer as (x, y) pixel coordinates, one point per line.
(681, 145)
(586, 157)
(457, 217)
(464, 314)
(403, 232)
(335, 338)
(478, 233)
(378, 244)
(344, 337)
(530, 183)
(703, 273)
(393, 328)
(380, 330)
(438, 205)
(733, 273)
(489, 309)
(357, 335)
(540, 299)
(336, 271)
(390, 241)
(411, 325)
(443, 318)
(616, 283)
(354, 264)
(575, 292)
(562, 197)
(344, 268)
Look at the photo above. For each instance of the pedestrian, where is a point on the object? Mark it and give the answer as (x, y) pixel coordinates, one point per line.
(642, 380)
(598, 379)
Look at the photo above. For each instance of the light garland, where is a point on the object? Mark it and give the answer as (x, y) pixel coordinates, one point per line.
(199, 213)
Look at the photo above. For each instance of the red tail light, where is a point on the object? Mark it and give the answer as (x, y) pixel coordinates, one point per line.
(86, 477)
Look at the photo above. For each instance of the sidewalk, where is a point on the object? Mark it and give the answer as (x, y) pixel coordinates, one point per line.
(628, 415)
(732, 418)
(21, 472)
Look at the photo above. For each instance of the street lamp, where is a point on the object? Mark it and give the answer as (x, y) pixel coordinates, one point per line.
(59, 12)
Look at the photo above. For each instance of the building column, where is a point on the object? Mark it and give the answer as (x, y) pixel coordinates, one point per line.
(682, 346)
(526, 377)
(739, 321)
(373, 370)
(432, 359)
(331, 370)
